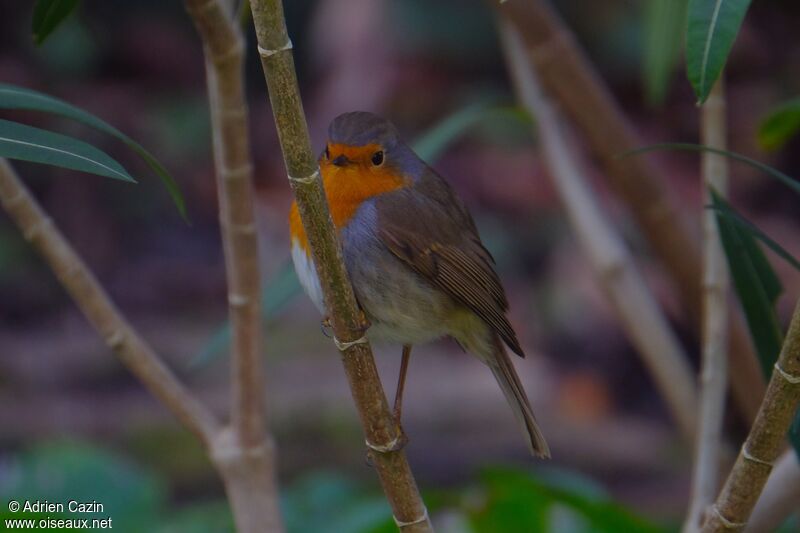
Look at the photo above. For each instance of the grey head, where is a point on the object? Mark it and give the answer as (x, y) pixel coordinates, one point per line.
(361, 128)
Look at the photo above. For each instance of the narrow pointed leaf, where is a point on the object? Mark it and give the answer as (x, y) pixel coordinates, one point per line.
(712, 26)
(14, 97)
(775, 173)
(47, 15)
(780, 125)
(18, 141)
(726, 210)
(664, 22)
(756, 285)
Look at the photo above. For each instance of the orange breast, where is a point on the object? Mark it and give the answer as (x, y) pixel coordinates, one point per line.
(346, 188)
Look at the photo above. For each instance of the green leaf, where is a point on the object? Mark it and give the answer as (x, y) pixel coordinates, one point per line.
(18, 141)
(711, 30)
(756, 284)
(726, 210)
(60, 471)
(205, 517)
(327, 501)
(757, 287)
(14, 97)
(780, 125)
(47, 15)
(775, 173)
(517, 501)
(663, 28)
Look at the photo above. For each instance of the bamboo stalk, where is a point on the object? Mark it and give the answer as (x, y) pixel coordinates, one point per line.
(134, 352)
(381, 431)
(566, 73)
(713, 377)
(224, 50)
(636, 308)
(780, 496)
(765, 441)
(243, 453)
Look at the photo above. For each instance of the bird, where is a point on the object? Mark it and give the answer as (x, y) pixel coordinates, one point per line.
(412, 251)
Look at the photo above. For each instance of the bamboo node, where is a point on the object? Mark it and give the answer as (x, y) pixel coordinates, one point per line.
(242, 171)
(728, 524)
(114, 340)
(234, 51)
(753, 459)
(238, 300)
(31, 232)
(424, 518)
(305, 180)
(791, 379)
(263, 52)
(385, 448)
(346, 345)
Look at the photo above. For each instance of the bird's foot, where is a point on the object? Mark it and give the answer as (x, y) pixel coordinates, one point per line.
(363, 322)
(326, 326)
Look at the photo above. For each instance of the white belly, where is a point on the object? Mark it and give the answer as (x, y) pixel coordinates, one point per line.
(307, 274)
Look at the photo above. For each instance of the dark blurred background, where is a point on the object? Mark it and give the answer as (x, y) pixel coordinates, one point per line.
(65, 402)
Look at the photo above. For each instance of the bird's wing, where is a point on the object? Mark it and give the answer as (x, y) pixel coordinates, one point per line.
(428, 228)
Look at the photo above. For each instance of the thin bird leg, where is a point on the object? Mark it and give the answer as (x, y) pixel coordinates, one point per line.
(401, 382)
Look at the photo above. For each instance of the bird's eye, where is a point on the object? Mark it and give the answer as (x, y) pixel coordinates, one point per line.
(377, 158)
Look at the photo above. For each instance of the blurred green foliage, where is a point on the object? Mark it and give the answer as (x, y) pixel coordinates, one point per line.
(664, 21)
(47, 15)
(780, 125)
(516, 500)
(137, 499)
(65, 470)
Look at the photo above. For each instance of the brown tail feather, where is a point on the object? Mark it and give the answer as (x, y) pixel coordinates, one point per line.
(506, 376)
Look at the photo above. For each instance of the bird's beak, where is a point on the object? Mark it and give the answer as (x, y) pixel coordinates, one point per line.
(340, 161)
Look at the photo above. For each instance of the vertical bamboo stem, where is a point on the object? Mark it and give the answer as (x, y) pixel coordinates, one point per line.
(224, 50)
(380, 429)
(713, 376)
(765, 441)
(642, 320)
(243, 453)
(567, 74)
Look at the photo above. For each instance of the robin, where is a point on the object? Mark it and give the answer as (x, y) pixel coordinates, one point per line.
(412, 251)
